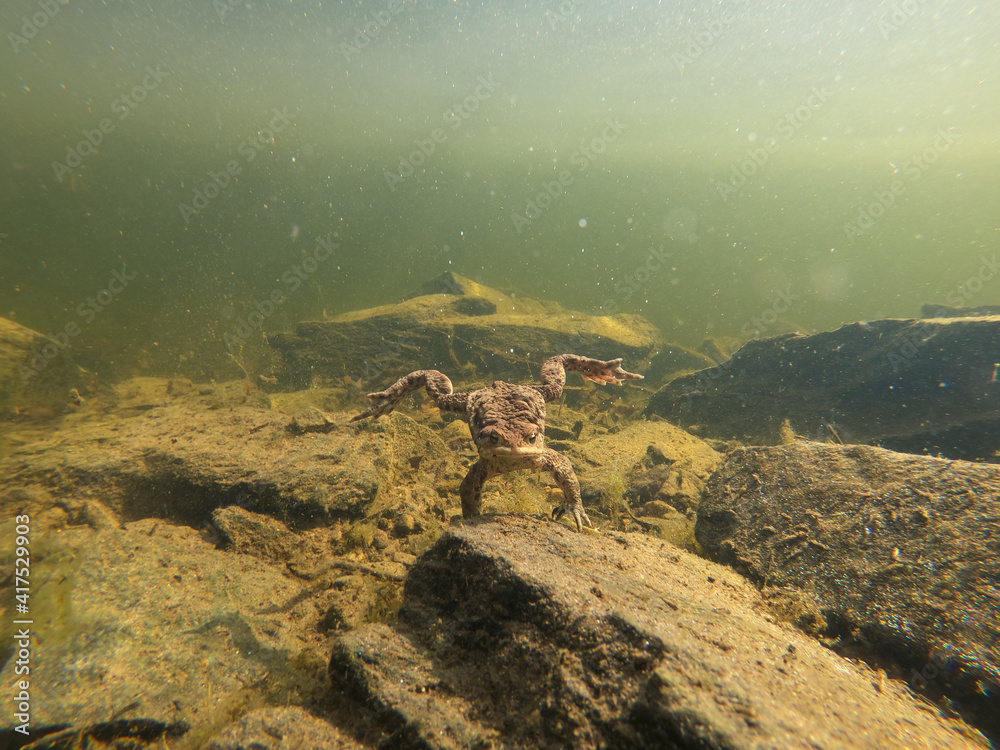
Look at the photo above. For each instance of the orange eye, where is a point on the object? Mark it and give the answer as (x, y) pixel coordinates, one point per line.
(532, 437)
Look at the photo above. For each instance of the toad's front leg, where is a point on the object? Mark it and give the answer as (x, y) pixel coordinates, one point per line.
(436, 383)
(599, 371)
(471, 489)
(562, 472)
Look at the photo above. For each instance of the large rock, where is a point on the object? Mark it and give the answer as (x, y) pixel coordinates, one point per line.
(643, 462)
(37, 374)
(176, 450)
(912, 385)
(521, 632)
(896, 554)
(152, 627)
(948, 311)
(466, 330)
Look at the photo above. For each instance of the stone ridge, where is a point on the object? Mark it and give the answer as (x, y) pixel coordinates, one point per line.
(544, 637)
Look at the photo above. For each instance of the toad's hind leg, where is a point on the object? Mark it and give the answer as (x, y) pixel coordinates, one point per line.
(438, 388)
(562, 471)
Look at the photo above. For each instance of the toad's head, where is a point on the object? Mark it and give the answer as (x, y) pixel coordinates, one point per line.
(507, 421)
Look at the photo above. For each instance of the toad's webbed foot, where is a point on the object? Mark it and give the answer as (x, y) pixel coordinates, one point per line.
(562, 471)
(599, 371)
(437, 384)
(382, 403)
(579, 515)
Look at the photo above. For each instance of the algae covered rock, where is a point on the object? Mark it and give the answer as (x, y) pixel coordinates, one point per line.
(464, 329)
(647, 461)
(37, 374)
(178, 451)
(156, 626)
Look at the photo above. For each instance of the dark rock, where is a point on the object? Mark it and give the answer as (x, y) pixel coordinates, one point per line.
(415, 706)
(646, 483)
(913, 385)
(255, 534)
(449, 283)
(288, 728)
(117, 733)
(473, 306)
(521, 632)
(896, 553)
(657, 509)
(462, 328)
(405, 524)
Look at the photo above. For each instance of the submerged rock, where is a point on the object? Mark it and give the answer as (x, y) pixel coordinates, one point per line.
(643, 462)
(911, 385)
(949, 311)
(151, 626)
(254, 534)
(520, 632)
(38, 378)
(466, 330)
(896, 554)
(175, 450)
(280, 729)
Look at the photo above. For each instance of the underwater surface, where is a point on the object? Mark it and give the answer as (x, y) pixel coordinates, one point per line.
(728, 168)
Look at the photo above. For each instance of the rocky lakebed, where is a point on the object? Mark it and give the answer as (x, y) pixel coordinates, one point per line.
(797, 541)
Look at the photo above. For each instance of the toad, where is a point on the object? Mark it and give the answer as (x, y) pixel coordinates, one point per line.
(507, 423)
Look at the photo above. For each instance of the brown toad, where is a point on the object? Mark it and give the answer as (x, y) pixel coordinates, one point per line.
(508, 424)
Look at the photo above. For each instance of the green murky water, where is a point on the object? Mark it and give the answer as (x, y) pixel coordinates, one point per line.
(724, 168)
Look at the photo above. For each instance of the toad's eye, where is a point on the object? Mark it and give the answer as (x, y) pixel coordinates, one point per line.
(532, 437)
(494, 438)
